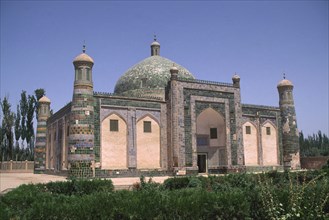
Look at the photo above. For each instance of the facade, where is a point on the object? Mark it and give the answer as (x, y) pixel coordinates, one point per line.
(160, 120)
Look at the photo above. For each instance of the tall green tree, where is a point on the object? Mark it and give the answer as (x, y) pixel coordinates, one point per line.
(24, 108)
(17, 131)
(314, 145)
(2, 145)
(7, 126)
(29, 124)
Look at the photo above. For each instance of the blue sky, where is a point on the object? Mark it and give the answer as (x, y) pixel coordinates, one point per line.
(259, 40)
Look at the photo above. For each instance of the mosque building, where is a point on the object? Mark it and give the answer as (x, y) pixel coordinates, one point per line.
(160, 120)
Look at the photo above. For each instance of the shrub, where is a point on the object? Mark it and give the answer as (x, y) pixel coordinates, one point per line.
(176, 183)
(77, 187)
(194, 182)
(246, 196)
(301, 198)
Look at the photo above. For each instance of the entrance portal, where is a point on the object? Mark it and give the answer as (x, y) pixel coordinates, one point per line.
(202, 163)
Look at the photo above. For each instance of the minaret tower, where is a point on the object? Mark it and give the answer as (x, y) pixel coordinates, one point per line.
(81, 136)
(175, 152)
(155, 47)
(290, 140)
(41, 137)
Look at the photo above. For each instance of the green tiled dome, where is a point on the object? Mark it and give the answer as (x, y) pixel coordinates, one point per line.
(151, 73)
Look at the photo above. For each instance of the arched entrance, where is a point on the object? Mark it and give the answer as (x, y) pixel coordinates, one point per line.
(211, 140)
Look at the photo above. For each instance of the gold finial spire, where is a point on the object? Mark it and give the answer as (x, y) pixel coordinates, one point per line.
(84, 47)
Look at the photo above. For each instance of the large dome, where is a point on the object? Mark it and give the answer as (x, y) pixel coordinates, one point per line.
(152, 73)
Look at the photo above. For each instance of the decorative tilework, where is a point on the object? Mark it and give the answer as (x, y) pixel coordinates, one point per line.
(153, 72)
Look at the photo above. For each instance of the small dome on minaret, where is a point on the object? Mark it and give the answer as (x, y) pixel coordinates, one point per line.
(174, 72)
(44, 99)
(236, 80)
(83, 57)
(155, 43)
(174, 69)
(285, 82)
(235, 77)
(155, 47)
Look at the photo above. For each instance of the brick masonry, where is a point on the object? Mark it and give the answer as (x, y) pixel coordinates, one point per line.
(290, 134)
(41, 137)
(71, 138)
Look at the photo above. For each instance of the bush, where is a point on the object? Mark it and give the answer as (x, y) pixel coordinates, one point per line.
(247, 196)
(44, 200)
(77, 187)
(301, 198)
(176, 183)
(194, 182)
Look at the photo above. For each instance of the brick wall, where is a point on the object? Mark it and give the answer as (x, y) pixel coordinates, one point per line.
(313, 162)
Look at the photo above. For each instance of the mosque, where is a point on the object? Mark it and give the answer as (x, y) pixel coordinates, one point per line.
(160, 120)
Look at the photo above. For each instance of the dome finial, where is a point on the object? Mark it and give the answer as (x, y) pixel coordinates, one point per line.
(84, 47)
(284, 75)
(155, 37)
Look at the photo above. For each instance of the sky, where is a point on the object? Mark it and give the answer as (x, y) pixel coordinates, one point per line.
(258, 40)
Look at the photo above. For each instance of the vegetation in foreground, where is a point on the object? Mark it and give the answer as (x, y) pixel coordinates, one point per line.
(272, 195)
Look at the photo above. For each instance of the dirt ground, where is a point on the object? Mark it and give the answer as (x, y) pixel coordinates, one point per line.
(10, 181)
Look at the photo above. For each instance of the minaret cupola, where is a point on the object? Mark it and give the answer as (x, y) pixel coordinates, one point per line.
(83, 58)
(83, 65)
(155, 47)
(236, 80)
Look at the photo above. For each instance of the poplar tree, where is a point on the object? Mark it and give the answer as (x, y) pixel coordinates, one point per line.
(17, 131)
(29, 124)
(24, 108)
(2, 146)
(7, 126)
(314, 145)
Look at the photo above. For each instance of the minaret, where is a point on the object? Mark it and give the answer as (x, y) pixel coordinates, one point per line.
(236, 80)
(41, 136)
(174, 124)
(155, 47)
(290, 140)
(81, 134)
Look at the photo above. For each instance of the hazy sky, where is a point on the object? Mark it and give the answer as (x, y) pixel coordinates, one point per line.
(259, 40)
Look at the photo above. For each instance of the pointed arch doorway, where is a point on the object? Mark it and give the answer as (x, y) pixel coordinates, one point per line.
(211, 140)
